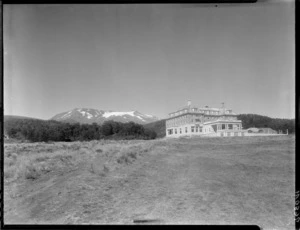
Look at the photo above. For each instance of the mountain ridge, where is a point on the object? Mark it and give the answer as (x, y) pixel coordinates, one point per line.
(89, 116)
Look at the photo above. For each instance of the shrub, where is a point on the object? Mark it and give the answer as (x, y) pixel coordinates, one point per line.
(32, 172)
(132, 154)
(41, 158)
(75, 147)
(123, 159)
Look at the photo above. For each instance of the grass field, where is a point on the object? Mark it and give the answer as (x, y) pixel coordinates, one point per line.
(234, 180)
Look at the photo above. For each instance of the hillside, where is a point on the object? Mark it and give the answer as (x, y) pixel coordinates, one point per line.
(14, 117)
(158, 126)
(258, 121)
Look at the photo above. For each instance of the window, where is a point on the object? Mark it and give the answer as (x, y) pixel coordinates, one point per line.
(192, 129)
(200, 130)
(170, 131)
(186, 129)
(230, 126)
(180, 130)
(223, 126)
(228, 134)
(197, 120)
(196, 129)
(175, 131)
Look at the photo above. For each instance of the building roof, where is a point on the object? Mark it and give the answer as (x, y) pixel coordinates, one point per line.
(201, 108)
(255, 130)
(268, 130)
(222, 121)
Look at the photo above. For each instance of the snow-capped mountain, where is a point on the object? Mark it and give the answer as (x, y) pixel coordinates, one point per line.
(90, 116)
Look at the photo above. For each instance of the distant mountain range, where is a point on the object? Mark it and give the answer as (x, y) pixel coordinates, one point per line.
(89, 116)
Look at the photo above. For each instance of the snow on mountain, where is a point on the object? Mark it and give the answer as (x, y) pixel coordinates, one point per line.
(89, 116)
(67, 114)
(148, 115)
(109, 114)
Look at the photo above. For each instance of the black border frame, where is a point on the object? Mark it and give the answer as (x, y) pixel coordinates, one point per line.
(3, 226)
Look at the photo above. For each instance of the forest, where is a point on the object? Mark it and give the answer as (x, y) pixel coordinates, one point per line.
(35, 130)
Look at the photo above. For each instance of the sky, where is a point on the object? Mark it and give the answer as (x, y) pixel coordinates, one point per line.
(152, 58)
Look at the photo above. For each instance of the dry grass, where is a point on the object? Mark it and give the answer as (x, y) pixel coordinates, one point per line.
(232, 180)
(32, 160)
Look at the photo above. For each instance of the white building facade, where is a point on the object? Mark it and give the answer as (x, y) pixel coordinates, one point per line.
(192, 121)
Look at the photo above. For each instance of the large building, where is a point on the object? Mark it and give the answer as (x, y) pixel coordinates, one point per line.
(206, 121)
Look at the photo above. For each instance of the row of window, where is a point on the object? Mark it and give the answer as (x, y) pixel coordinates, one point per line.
(199, 129)
(179, 120)
(234, 134)
(195, 118)
(187, 119)
(200, 111)
(193, 129)
(229, 126)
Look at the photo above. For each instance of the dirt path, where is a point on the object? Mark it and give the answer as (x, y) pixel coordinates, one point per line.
(177, 186)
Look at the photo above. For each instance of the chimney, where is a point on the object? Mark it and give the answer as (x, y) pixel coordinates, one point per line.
(223, 107)
(189, 103)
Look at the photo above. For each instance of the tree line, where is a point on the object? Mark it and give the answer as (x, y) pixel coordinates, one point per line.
(258, 121)
(43, 131)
